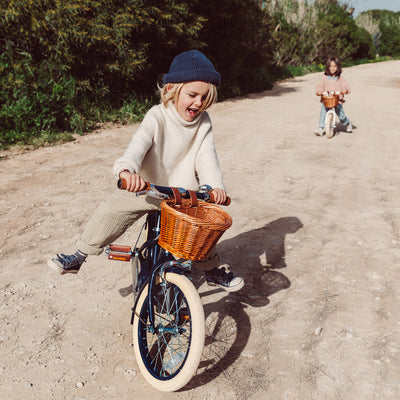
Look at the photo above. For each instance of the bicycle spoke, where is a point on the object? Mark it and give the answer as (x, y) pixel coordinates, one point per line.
(168, 342)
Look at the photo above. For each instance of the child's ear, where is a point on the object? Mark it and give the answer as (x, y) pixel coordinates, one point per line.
(170, 86)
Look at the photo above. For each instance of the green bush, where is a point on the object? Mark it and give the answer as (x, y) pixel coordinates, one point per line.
(34, 98)
(384, 27)
(63, 62)
(390, 38)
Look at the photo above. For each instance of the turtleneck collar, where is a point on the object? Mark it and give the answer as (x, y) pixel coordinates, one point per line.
(174, 115)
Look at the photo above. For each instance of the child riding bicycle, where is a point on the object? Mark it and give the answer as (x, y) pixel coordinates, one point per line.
(332, 81)
(173, 146)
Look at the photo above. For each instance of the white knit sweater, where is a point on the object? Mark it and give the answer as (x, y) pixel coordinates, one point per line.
(167, 150)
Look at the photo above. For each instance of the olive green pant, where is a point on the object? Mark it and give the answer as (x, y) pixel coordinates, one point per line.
(115, 215)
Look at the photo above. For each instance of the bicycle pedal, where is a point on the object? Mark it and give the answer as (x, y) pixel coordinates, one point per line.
(119, 253)
(120, 248)
(119, 256)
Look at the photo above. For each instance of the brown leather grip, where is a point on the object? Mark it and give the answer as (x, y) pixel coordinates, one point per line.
(122, 184)
(227, 201)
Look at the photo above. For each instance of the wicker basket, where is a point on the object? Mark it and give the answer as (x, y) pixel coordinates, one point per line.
(330, 101)
(190, 232)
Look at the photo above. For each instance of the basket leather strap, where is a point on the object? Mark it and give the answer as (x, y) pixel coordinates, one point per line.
(193, 199)
(177, 196)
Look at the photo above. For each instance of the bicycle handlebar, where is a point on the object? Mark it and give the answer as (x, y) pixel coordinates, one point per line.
(167, 192)
(325, 93)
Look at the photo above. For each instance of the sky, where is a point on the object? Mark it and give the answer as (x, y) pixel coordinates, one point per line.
(364, 5)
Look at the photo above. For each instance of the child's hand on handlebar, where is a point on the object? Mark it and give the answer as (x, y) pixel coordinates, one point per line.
(219, 196)
(134, 182)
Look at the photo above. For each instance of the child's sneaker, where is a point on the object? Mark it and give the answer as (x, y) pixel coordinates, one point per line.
(66, 264)
(319, 132)
(349, 127)
(227, 281)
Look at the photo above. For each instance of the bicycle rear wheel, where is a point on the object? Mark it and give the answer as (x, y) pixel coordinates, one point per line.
(329, 125)
(169, 355)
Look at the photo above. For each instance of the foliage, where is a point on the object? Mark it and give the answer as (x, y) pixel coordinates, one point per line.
(238, 42)
(62, 61)
(390, 40)
(308, 33)
(66, 65)
(384, 26)
(300, 70)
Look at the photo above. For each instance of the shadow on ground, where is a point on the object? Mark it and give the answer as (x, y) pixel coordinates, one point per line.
(256, 255)
(277, 90)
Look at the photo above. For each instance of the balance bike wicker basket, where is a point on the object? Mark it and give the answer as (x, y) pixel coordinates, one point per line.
(191, 229)
(330, 101)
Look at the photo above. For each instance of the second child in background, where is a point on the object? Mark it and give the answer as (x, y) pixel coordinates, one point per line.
(333, 81)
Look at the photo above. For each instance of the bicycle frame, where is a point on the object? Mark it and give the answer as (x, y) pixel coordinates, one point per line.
(149, 263)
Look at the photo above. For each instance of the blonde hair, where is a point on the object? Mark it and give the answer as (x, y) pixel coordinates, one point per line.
(175, 89)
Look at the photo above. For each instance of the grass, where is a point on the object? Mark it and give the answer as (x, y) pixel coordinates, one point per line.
(132, 111)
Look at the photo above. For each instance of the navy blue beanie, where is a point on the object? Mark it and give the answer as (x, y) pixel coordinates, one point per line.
(192, 66)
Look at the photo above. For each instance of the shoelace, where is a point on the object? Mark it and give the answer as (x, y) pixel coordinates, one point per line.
(223, 276)
(69, 260)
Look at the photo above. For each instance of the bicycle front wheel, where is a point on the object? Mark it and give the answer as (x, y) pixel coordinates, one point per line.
(329, 125)
(169, 354)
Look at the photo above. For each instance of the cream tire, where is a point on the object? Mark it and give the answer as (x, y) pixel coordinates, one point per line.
(329, 125)
(152, 349)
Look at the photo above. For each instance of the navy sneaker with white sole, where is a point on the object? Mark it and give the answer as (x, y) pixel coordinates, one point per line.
(227, 281)
(65, 264)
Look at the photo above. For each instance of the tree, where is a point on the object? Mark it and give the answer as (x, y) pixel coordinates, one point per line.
(390, 39)
(384, 26)
(309, 33)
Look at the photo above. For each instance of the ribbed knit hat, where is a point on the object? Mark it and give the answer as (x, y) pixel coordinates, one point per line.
(191, 66)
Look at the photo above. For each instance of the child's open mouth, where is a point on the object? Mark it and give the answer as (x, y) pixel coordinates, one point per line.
(192, 112)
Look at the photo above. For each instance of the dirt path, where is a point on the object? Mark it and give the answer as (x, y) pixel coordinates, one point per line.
(316, 235)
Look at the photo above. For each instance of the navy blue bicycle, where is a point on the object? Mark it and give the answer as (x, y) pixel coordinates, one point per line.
(167, 316)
